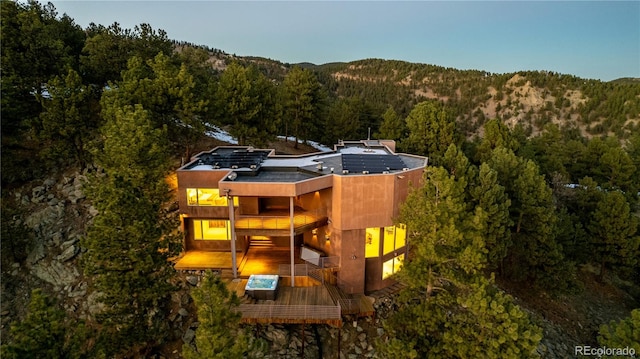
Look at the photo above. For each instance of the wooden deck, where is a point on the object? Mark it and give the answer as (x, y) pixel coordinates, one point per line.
(199, 260)
(267, 260)
(257, 260)
(310, 304)
(351, 304)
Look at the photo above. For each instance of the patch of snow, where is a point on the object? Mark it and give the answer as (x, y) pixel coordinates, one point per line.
(224, 136)
(313, 144)
(220, 135)
(202, 168)
(363, 151)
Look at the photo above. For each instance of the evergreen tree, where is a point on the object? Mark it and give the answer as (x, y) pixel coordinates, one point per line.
(492, 199)
(36, 47)
(496, 134)
(246, 100)
(124, 243)
(535, 254)
(431, 130)
(550, 152)
(44, 333)
(67, 119)
(107, 50)
(392, 127)
(448, 309)
(219, 334)
(342, 122)
(618, 170)
(613, 232)
(622, 334)
(301, 99)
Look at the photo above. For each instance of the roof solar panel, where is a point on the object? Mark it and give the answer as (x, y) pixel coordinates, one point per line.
(244, 159)
(372, 163)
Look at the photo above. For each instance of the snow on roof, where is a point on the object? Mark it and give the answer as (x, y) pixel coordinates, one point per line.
(363, 150)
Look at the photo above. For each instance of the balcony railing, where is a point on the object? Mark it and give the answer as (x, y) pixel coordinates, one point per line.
(277, 313)
(307, 269)
(280, 220)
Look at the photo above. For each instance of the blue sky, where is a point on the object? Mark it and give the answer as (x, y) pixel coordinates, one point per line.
(589, 39)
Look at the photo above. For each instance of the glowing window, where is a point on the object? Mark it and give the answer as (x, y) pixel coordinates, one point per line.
(207, 197)
(395, 237)
(389, 237)
(192, 196)
(392, 266)
(401, 235)
(372, 242)
(211, 230)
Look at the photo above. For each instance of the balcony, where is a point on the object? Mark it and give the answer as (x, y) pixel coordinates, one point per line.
(278, 223)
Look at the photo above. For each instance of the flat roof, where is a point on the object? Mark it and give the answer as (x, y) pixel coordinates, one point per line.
(263, 165)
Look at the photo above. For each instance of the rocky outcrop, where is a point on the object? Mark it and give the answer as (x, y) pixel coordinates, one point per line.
(56, 273)
(57, 214)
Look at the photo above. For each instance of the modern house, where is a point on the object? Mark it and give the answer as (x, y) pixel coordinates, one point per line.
(252, 211)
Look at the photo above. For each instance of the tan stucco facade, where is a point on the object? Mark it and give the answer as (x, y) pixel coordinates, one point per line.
(337, 206)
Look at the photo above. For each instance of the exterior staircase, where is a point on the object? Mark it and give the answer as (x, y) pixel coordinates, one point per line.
(262, 242)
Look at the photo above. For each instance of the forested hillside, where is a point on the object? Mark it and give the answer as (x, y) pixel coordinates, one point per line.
(530, 205)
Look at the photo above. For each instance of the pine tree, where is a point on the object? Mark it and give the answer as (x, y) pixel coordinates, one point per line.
(496, 134)
(166, 92)
(392, 127)
(492, 199)
(623, 333)
(44, 333)
(219, 334)
(67, 120)
(343, 121)
(124, 243)
(246, 100)
(614, 232)
(301, 99)
(448, 309)
(431, 130)
(535, 254)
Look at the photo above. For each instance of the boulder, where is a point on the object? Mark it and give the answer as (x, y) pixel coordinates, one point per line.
(188, 336)
(36, 254)
(69, 243)
(193, 280)
(278, 337)
(55, 273)
(69, 253)
(49, 182)
(93, 305)
(37, 191)
(362, 337)
(79, 291)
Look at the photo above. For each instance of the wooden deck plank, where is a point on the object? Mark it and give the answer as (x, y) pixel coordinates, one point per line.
(293, 305)
(199, 260)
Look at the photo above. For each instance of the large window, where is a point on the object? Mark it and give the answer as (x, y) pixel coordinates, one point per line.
(395, 237)
(208, 229)
(392, 266)
(207, 197)
(372, 242)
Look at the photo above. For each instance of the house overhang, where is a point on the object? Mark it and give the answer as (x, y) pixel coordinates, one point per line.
(274, 189)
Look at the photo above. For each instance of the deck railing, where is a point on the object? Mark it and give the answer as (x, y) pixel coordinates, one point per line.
(274, 312)
(329, 262)
(316, 272)
(280, 220)
(284, 270)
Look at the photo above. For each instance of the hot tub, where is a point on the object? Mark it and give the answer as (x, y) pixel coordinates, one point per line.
(262, 286)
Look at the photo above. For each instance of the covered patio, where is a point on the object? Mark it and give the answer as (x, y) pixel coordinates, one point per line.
(257, 260)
